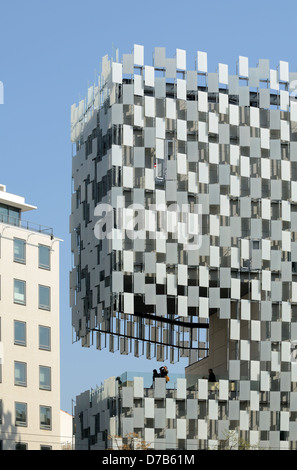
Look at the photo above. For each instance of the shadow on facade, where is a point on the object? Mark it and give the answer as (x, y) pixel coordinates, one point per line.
(10, 439)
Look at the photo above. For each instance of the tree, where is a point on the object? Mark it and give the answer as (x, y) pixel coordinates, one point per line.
(234, 442)
(130, 441)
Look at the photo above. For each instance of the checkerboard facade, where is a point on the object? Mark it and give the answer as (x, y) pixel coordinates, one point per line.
(226, 144)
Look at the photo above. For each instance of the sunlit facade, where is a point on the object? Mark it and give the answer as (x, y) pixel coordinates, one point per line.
(204, 266)
(29, 330)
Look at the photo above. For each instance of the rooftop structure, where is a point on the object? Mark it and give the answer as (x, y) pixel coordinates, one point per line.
(11, 209)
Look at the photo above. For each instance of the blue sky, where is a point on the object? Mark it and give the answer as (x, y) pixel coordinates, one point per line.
(50, 52)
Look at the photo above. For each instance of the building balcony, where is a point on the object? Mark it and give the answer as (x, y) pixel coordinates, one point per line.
(26, 225)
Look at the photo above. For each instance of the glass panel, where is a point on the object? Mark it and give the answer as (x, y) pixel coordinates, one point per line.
(19, 250)
(45, 417)
(3, 213)
(20, 374)
(13, 216)
(21, 414)
(9, 215)
(19, 294)
(44, 257)
(45, 378)
(20, 333)
(44, 338)
(44, 297)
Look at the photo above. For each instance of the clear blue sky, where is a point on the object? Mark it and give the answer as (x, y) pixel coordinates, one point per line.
(50, 52)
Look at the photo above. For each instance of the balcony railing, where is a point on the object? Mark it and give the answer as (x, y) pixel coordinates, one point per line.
(33, 227)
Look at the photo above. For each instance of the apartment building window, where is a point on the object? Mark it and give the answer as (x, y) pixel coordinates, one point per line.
(44, 378)
(44, 257)
(45, 417)
(19, 292)
(20, 333)
(20, 446)
(19, 250)
(20, 414)
(1, 412)
(20, 374)
(44, 338)
(44, 297)
(45, 447)
(9, 215)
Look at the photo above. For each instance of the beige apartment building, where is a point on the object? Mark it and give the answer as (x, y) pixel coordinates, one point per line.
(29, 330)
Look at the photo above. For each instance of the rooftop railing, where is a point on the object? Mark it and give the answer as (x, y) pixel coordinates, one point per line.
(24, 224)
(126, 379)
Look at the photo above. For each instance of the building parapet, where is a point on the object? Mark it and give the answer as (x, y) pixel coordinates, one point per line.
(26, 225)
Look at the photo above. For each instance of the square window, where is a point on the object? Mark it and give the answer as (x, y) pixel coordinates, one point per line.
(20, 333)
(44, 297)
(44, 378)
(19, 250)
(9, 215)
(44, 256)
(256, 244)
(19, 292)
(44, 338)
(21, 414)
(45, 417)
(20, 374)
(20, 446)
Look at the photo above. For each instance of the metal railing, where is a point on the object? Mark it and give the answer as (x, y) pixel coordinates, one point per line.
(18, 222)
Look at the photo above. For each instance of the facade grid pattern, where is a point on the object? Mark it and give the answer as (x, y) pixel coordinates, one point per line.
(227, 145)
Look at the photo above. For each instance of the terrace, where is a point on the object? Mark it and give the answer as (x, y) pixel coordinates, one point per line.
(16, 221)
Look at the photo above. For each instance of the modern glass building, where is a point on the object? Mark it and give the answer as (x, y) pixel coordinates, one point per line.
(184, 232)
